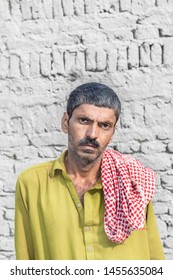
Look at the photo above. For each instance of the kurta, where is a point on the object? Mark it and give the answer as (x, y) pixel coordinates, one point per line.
(52, 224)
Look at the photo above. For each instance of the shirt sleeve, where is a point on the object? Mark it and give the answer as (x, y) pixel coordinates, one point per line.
(154, 241)
(23, 236)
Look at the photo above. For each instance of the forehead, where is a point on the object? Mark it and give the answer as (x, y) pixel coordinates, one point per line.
(94, 112)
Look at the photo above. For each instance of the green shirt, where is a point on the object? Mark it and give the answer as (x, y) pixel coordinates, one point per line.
(52, 224)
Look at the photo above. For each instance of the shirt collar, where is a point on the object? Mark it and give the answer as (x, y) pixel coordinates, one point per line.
(58, 165)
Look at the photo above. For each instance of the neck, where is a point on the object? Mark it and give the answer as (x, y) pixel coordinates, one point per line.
(78, 169)
(83, 176)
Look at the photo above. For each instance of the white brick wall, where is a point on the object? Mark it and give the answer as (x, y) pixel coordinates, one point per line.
(48, 47)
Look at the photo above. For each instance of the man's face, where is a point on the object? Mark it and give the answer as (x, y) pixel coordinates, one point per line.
(90, 130)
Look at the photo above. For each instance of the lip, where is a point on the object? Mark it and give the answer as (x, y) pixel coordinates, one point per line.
(89, 146)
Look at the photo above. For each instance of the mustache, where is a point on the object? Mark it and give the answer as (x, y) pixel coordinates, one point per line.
(90, 141)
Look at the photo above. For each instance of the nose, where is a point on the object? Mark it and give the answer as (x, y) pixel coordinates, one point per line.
(92, 131)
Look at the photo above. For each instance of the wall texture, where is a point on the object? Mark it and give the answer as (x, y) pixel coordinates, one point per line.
(47, 48)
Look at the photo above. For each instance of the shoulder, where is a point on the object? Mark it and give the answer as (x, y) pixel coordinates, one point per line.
(35, 172)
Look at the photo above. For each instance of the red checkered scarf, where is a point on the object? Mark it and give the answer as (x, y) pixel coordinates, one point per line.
(128, 187)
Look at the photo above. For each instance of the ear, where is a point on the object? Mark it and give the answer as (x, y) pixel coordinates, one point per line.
(64, 122)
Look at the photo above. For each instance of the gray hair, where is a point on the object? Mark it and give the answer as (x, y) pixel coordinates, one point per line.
(94, 93)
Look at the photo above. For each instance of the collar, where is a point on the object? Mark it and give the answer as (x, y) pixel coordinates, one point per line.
(58, 165)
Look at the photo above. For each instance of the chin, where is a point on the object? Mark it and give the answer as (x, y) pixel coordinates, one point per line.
(88, 156)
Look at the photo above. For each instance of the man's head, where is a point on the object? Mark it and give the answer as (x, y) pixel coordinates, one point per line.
(92, 112)
(96, 94)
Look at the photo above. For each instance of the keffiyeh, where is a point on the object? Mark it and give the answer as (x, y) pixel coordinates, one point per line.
(128, 187)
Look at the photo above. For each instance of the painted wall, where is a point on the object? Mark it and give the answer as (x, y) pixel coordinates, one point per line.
(47, 48)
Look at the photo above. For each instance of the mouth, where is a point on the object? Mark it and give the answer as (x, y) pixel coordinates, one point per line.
(89, 145)
(88, 149)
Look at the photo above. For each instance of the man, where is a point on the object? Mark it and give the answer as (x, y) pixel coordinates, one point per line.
(92, 202)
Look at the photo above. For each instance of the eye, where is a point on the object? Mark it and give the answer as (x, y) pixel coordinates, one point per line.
(105, 126)
(84, 120)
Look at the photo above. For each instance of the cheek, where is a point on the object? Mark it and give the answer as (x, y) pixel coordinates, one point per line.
(105, 140)
(74, 135)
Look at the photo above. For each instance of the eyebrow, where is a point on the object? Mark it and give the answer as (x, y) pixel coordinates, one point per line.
(99, 122)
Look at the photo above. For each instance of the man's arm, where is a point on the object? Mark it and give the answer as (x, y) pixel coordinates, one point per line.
(23, 236)
(155, 245)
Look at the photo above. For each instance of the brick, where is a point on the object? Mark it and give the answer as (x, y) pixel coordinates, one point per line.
(80, 60)
(168, 219)
(57, 9)
(48, 9)
(4, 10)
(70, 60)
(168, 52)
(9, 29)
(7, 202)
(9, 215)
(7, 244)
(90, 59)
(13, 140)
(109, 6)
(158, 112)
(169, 242)
(25, 64)
(162, 196)
(162, 227)
(26, 9)
(16, 124)
(161, 3)
(164, 133)
(34, 64)
(123, 34)
(146, 32)
(58, 62)
(122, 59)
(90, 6)
(154, 161)
(47, 153)
(14, 66)
(133, 55)
(145, 55)
(142, 6)
(11, 224)
(167, 180)
(1, 186)
(9, 184)
(125, 5)
(128, 148)
(15, 8)
(93, 37)
(101, 59)
(166, 31)
(67, 6)
(5, 230)
(49, 138)
(4, 66)
(112, 60)
(161, 208)
(125, 21)
(154, 146)
(37, 11)
(156, 54)
(78, 7)
(45, 64)
(170, 147)
(26, 152)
